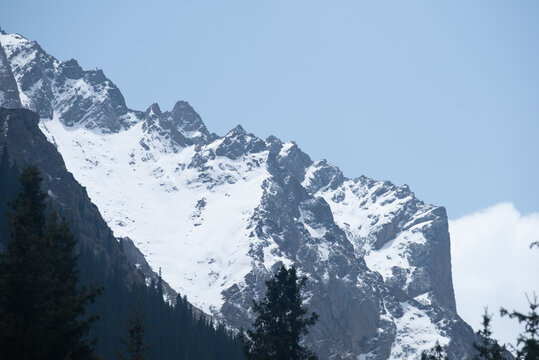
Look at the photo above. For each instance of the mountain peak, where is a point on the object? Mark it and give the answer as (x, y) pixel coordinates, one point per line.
(71, 62)
(188, 120)
(272, 139)
(238, 130)
(182, 106)
(237, 142)
(71, 69)
(274, 144)
(153, 109)
(92, 100)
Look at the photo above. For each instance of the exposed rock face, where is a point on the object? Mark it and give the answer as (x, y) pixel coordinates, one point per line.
(9, 94)
(219, 214)
(173, 129)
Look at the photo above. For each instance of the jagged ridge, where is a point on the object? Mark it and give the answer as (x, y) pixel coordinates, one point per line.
(217, 214)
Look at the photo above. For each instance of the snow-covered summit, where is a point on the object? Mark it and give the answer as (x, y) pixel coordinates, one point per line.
(182, 125)
(54, 88)
(219, 214)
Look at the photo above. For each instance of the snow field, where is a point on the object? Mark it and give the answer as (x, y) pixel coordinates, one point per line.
(182, 223)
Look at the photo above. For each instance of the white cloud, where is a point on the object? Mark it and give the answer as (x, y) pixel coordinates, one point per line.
(494, 266)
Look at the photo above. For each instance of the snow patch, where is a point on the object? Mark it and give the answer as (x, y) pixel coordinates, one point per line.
(286, 149)
(415, 333)
(394, 253)
(424, 299)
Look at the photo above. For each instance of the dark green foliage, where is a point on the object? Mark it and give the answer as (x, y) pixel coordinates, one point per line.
(68, 301)
(9, 187)
(527, 343)
(281, 320)
(488, 348)
(41, 307)
(173, 331)
(134, 344)
(23, 287)
(436, 353)
(159, 285)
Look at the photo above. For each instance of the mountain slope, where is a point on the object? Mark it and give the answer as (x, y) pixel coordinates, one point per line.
(176, 333)
(218, 214)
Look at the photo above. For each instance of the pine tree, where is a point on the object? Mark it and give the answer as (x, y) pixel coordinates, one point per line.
(41, 308)
(22, 284)
(8, 188)
(160, 284)
(529, 341)
(134, 344)
(436, 353)
(281, 320)
(68, 303)
(488, 349)
(4, 167)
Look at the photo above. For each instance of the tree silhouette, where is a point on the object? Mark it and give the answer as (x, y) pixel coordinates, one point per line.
(281, 320)
(41, 306)
(488, 348)
(529, 341)
(136, 328)
(436, 353)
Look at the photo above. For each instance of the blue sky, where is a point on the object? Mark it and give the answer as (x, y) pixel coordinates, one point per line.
(441, 95)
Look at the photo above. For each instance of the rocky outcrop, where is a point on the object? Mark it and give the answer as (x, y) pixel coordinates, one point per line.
(9, 93)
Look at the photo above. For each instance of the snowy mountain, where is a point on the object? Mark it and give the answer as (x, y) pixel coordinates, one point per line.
(218, 214)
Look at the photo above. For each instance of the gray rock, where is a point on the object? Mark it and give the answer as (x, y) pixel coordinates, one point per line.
(238, 143)
(9, 93)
